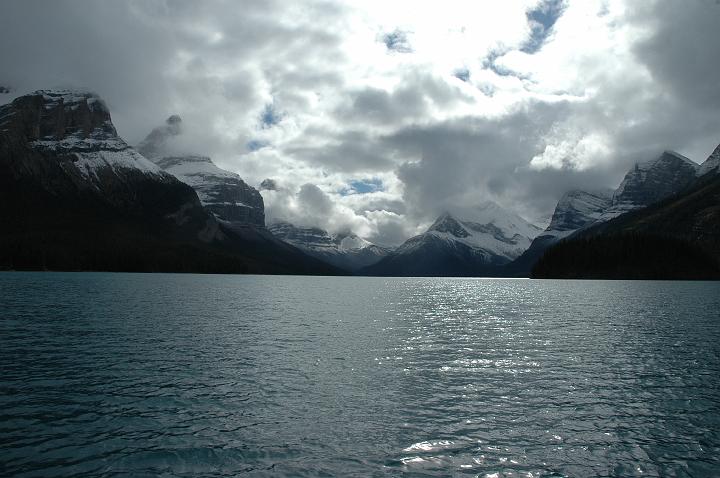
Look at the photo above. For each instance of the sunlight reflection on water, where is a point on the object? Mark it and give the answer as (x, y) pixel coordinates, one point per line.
(186, 375)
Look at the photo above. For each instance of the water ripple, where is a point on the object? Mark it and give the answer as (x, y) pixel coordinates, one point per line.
(191, 375)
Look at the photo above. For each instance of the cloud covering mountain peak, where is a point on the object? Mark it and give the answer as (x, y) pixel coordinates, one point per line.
(511, 101)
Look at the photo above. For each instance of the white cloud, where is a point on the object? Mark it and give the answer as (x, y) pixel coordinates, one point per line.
(613, 82)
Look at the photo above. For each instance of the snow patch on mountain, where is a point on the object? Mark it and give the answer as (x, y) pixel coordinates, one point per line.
(222, 192)
(575, 210)
(76, 125)
(490, 230)
(651, 181)
(346, 249)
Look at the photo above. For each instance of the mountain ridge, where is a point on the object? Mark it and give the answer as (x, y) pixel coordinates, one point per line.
(76, 196)
(224, 193)
(452, 246)
(644, 184)
(345, 250)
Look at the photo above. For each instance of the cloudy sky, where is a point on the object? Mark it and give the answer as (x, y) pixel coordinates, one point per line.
(376, 115)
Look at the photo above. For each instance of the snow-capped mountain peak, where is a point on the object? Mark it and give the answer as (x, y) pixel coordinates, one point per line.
(467, 222)
(447, 224)
(222, 192)
(346, 249)
(474, 241)
(651, 181)
(645, 183)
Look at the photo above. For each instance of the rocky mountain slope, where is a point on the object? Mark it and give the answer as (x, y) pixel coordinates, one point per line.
(645, 184)
(472, 246)
(344, 250)
(651, 181)
(75, 196)
(711, 164)
(675, 238)
(222, 192)
(575, 210)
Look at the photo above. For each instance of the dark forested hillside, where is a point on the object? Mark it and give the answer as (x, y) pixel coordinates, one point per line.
(627, 256)
(678, 238)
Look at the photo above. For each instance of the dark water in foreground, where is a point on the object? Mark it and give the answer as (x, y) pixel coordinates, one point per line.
(192, 375)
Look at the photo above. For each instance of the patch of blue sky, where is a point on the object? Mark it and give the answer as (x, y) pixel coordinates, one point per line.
(542, 20)
(363, 186)
(270, 116)
(462, 74)
(255, 145)
(397, 41)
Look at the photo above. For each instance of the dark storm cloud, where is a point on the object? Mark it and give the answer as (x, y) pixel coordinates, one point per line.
(466, 161)
(350, 152)
(411, 101)
(374, 105)
(145, 58)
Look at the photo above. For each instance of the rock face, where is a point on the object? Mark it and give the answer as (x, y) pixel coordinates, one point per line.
(475, 246)
(652, 181)
(576, 210)
(67, 139)
(645, 184)
(227, 196)
(75, 196)
(345, 250)
(711, 164)
(678, 238)
(222, 192)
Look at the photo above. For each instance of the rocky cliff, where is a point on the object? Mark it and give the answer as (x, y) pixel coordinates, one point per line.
(66, 140)
(677, 238)
(645, 184)
(575, 210)
(222, 192)
(651, 181)
(75, 196)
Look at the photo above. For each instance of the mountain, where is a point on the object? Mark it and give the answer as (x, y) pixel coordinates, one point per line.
(675, 238)
(711, 164)
(645, 184)
(678, 238)
(651, 181)
(480, 245)
(576, 210)
(76, 196)
(345, 250)
(222, 192)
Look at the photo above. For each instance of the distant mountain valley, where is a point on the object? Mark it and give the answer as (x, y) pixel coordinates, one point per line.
(76, 196)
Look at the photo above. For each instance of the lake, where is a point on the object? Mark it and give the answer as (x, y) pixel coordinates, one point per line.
(204, 375)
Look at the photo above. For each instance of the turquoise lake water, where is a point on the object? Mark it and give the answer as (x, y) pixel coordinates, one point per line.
(202, 375)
